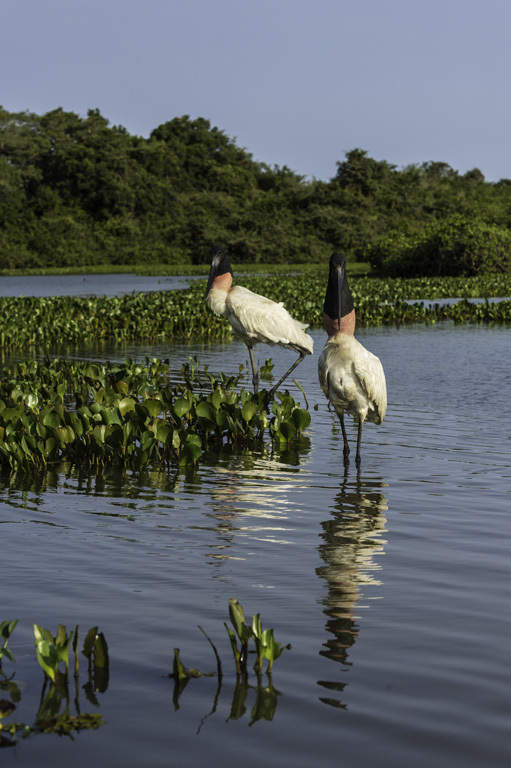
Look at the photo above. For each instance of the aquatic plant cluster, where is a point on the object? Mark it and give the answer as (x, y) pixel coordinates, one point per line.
(165, 315)
(52, 651)
(130, 415)
(266, 647)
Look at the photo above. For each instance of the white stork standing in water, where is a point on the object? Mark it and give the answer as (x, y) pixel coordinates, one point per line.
(351, 377)
(254, 318)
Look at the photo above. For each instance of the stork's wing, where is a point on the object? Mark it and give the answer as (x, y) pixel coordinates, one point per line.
(369, 371)
(323, 372)
(261, 319)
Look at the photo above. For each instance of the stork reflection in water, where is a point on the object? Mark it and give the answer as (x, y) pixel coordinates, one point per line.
(254, 318)
(350, 376)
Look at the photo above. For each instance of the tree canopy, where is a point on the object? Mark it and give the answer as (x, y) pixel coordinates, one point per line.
(77, 191)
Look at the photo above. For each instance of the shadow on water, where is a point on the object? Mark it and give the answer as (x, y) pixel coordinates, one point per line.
(351, 540)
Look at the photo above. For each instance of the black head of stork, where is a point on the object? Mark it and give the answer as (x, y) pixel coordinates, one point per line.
(219, 265)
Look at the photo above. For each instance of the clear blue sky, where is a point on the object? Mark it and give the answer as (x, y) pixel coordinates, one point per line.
(295, 82)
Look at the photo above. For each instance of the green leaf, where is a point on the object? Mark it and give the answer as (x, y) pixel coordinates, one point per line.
(178, 669)
(301, 418)
(48, 658)
(93, 372)
(153, 406)
(88, 643)
(99, 432)
(127, 404)
(7, 628)
(100, 651)
(190, 453)
(31, 400)
(6, 652)
(41, 634)
(181, 406)
(64, 435)
(163, 431)
(287, 429)
(249, 410)
(51, 419)
(238, 620)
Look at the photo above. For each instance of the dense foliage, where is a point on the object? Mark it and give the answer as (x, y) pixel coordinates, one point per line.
(130, 415)
(168, 315)
(76, 191)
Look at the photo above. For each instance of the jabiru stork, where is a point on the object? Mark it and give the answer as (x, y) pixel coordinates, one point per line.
(351, 377)
(254, 319)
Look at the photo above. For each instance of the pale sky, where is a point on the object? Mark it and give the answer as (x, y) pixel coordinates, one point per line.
(294, 82)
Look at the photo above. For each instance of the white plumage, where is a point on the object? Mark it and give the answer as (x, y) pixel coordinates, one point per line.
(351, 377)
(254, 318)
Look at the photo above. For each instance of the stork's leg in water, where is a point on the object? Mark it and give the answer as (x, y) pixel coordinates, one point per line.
(255, 372)
(359, 440)
(274, 389)
(346, 451)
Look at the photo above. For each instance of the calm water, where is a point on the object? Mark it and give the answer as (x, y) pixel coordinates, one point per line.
(393, 585)
(87, 285)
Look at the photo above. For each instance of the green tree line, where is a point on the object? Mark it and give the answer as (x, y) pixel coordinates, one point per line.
(75, 191)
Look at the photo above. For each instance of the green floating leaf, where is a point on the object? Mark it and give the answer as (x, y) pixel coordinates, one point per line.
(126, 404)
(301, 418)
(163, 431)
(181, 406)
(153, 406)
(287, 429)
(51, 419)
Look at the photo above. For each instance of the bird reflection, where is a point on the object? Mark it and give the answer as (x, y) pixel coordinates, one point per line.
(351, 542)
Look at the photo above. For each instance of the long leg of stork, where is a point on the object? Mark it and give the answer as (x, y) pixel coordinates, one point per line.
(346, 451)
(255, 372)
(284, 377)
(359, 440)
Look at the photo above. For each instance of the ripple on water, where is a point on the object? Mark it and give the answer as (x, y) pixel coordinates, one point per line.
(392, 584)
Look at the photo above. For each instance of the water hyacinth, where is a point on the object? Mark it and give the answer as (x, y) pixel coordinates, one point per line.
(6, 630)
(52, 651)
(158, 316)
(131, 415)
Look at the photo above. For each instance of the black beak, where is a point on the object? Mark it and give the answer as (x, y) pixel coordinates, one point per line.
(338, 299)
(213, 272)
(339, 282)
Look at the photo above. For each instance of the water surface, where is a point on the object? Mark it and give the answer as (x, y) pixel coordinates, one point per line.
(89, 285)
(392, 584)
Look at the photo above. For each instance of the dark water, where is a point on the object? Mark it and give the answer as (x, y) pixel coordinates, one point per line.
(393, 585)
